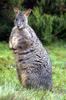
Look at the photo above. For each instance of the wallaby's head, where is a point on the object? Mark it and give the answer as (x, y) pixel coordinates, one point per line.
(21, 20)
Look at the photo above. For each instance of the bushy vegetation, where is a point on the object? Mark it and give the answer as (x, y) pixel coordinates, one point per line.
(48, 18)
(10, 88)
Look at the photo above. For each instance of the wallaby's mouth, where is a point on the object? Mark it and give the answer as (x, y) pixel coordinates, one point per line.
(21, 27)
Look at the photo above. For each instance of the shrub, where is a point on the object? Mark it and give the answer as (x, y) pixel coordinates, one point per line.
(47, 26)
(42, 24)
(5, 29)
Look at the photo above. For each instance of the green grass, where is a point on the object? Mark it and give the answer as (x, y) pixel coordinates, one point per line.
(10, 88)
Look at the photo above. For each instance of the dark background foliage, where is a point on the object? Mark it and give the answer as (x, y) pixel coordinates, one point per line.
(48, 18)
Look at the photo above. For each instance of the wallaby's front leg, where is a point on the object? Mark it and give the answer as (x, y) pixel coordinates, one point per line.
(13, 40)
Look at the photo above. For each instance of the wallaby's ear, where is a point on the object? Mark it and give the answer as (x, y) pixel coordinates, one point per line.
(27, 12)
(16, 10)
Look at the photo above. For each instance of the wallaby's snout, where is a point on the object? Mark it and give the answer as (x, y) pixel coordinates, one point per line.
(19, 23)
(19, 26)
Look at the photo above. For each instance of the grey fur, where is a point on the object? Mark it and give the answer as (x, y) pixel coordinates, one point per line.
(32, 61)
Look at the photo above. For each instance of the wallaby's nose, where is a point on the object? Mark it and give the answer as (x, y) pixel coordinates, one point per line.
(18, 25)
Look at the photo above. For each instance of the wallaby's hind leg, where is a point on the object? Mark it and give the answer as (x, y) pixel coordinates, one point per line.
(46, 82)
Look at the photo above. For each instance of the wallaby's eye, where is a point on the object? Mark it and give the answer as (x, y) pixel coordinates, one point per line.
(16, 19)
(23, 20)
